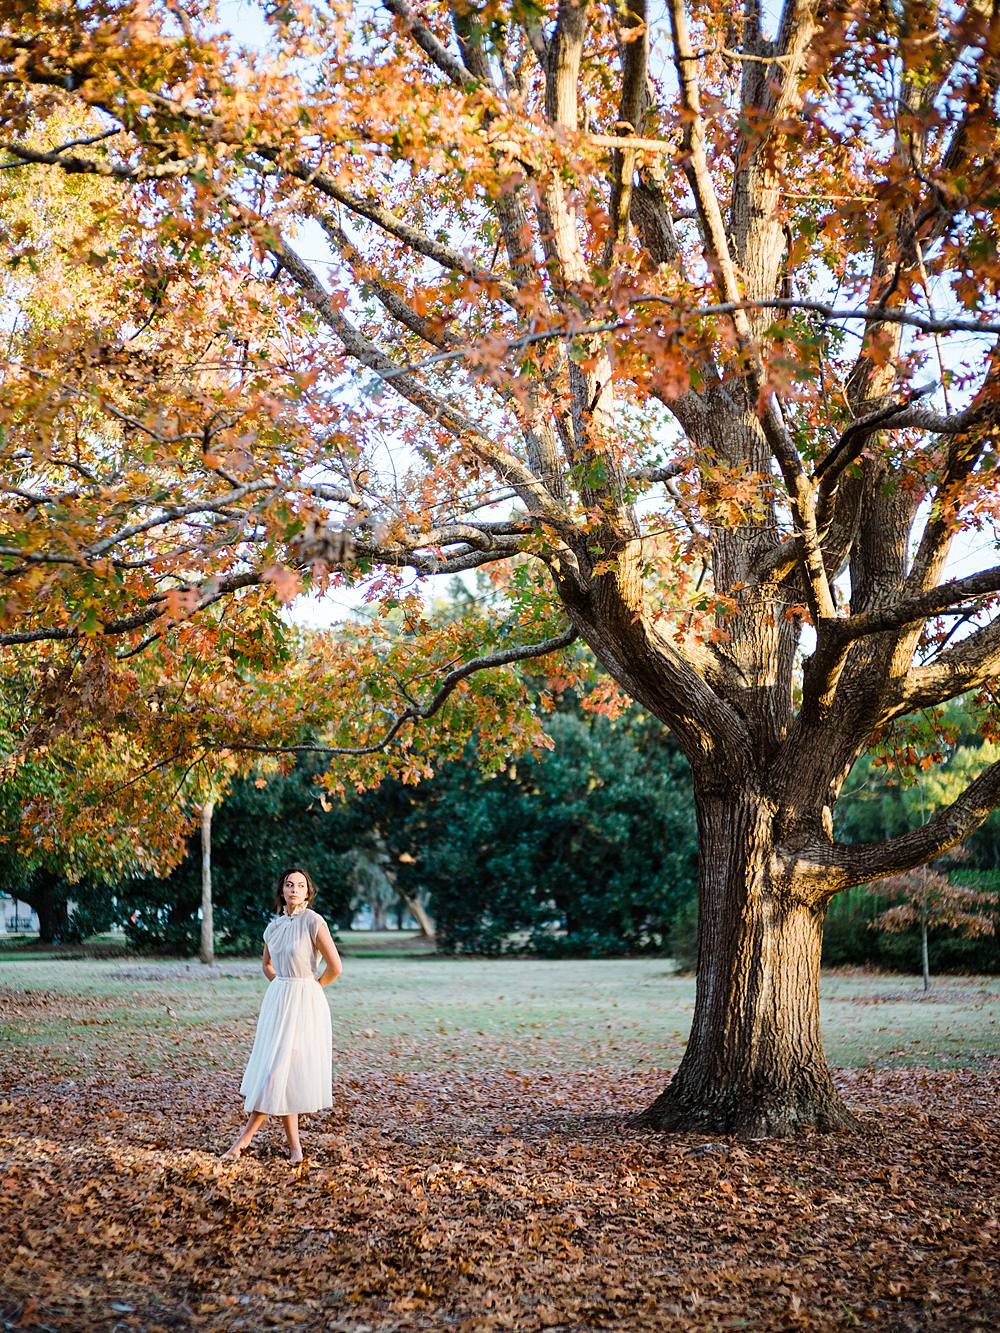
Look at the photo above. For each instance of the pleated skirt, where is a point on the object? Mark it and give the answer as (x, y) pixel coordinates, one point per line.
(290, 1070)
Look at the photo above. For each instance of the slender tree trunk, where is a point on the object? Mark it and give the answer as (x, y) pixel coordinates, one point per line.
(754, 1063)
(207, 953)
(417, 910)
(924, 959)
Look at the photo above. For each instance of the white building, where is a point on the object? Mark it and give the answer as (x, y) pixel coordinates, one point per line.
(16, 918)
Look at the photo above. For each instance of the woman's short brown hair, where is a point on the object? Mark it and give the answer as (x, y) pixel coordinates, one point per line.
(279, 897)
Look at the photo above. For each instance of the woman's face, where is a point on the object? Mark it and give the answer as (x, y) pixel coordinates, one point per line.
(295, 890)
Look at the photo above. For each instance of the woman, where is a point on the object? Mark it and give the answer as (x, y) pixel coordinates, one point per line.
(290, 1070)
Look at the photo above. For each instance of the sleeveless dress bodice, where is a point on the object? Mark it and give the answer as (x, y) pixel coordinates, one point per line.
(291, 942)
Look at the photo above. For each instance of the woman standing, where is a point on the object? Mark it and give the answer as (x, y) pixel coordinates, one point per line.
(290, 1070)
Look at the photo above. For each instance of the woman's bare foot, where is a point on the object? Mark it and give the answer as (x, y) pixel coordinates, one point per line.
(291, 1123)
(257, 1118)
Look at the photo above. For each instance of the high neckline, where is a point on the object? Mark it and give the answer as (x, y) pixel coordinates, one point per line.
(296, 911)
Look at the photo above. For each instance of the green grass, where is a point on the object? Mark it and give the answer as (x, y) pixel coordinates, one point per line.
(75, 1015)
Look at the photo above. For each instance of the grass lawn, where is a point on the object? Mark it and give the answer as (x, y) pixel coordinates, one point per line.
(417, 1012)
(478, 1170)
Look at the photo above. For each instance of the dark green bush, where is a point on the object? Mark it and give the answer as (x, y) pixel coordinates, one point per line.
(586, 852)
(847, 934)
(256, 833)
(683, 946)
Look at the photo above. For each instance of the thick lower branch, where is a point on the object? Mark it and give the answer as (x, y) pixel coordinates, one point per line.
(864, 862)
(972, 662)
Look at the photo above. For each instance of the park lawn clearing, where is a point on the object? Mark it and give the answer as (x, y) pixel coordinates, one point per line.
(478, 1170)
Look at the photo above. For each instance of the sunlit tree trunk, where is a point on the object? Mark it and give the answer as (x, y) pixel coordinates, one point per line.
(417, 910)
(754, 1063)
(207, 953)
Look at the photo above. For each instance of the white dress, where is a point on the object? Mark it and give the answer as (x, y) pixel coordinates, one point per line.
(290, 1070)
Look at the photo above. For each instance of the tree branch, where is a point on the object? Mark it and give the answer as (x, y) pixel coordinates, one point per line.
(214, 590)
(912, 610)
(394, 225)
(420, 712)
(453, 69)
(830, 312)
(896, 416)
(530, 488)
(634, 41)
(963, 455)
(968, 664)
(770, 96)
(697, 171)
(84, 166)
(863, 862)
(392, 302)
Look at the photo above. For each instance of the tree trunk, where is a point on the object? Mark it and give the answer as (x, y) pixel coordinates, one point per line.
(754, 1063)
(924, 959)
(46, 895)
(207, 953)
(417, 910)
(412, 905)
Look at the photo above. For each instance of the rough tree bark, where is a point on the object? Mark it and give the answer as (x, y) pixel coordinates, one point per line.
(754, 1063)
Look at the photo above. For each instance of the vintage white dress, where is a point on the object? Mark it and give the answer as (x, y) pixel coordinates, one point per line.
(290, 1070)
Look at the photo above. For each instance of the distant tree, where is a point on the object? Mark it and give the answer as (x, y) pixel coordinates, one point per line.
(266, 822)
(374, 871)
(365, 870)
(589, 849)
(927, 900)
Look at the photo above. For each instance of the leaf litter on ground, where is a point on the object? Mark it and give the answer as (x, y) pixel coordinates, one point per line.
(505, 1198)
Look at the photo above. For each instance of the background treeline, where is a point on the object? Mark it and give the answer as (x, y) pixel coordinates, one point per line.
(589, 850)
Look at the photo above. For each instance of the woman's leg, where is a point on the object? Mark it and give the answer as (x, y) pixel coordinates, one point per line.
(291, 1123)
(251, 1127)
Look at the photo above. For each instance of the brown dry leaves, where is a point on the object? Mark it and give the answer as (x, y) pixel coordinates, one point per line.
(505, 1201)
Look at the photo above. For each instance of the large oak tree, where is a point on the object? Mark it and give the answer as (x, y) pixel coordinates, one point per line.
(679, 322)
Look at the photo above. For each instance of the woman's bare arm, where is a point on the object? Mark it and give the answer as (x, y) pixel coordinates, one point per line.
(268, 966)
(326, 946)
